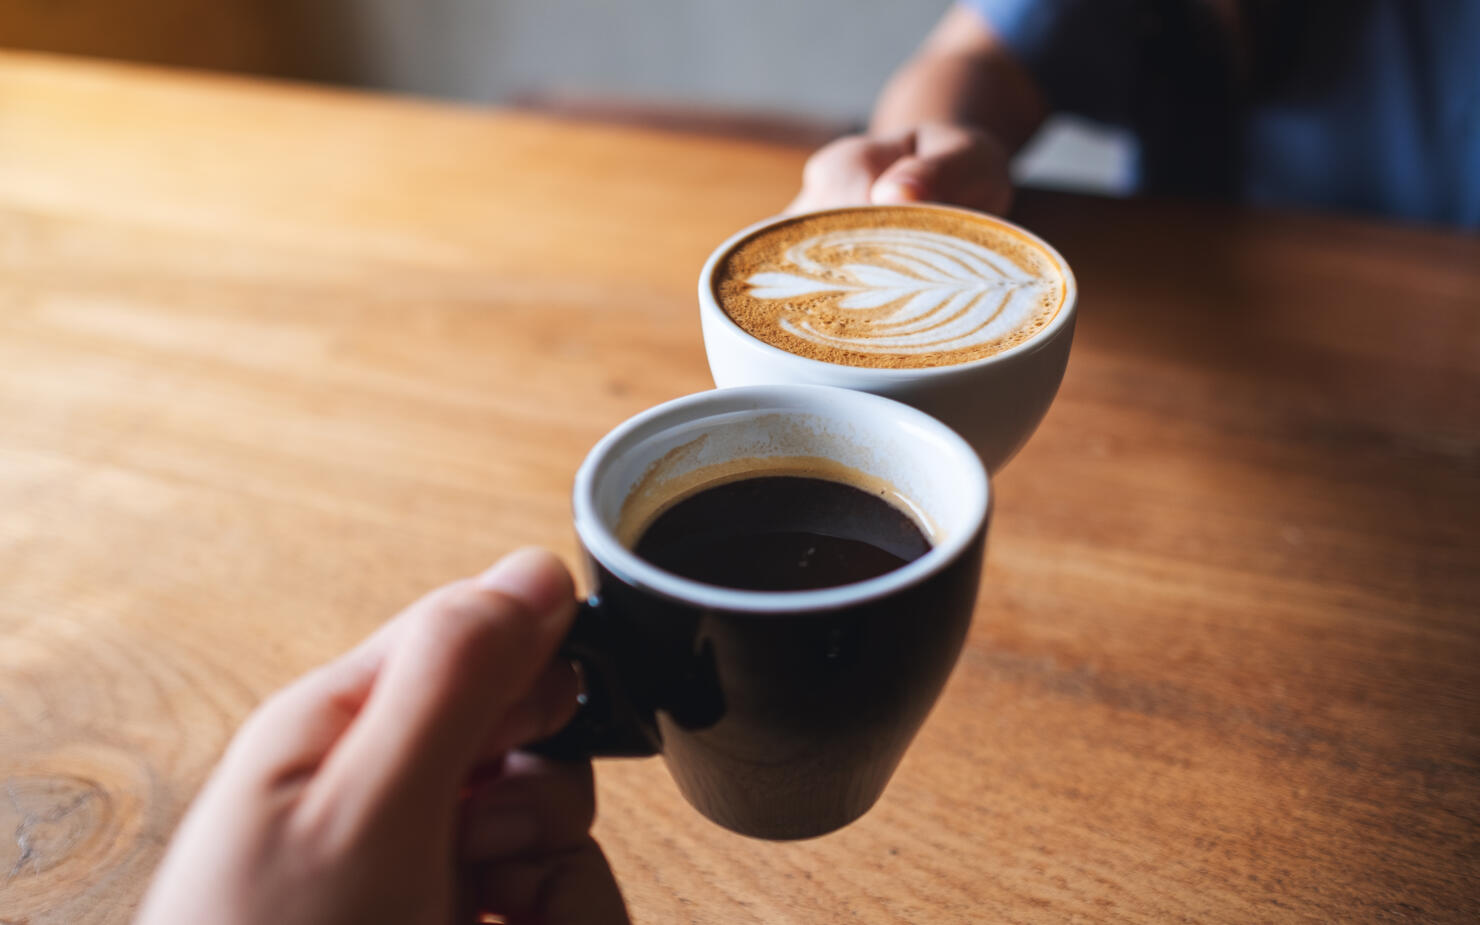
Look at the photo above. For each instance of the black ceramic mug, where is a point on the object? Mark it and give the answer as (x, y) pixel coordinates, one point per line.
(779, 714)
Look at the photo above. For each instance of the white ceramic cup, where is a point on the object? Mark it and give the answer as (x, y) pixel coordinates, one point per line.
(995, 403)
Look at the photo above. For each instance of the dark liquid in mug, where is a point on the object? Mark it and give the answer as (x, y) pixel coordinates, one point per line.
(782, 533)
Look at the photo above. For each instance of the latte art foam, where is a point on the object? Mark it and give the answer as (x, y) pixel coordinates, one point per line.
(895, 286)
(922, 292)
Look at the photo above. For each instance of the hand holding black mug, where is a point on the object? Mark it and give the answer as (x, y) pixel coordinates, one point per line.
(386, 785)
(780, 713)
(380, 782)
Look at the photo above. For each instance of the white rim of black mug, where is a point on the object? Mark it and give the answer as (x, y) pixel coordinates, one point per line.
(628, 567)
(709, 303)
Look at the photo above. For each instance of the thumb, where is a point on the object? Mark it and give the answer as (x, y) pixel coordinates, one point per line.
(909, 179)
(840, 173)
(466, 654)
(951, 166)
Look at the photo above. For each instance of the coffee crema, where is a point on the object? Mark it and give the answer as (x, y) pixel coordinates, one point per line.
(891, 286)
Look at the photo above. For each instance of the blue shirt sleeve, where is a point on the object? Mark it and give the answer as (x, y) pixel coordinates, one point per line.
(1082, 53)
(1371, 106)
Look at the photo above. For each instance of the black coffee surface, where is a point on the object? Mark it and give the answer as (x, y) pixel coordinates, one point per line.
(782, 533)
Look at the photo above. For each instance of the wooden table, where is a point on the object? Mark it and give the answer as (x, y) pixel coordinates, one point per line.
(274, 360)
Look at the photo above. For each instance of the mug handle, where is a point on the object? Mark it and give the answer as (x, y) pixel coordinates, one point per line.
(607, 723)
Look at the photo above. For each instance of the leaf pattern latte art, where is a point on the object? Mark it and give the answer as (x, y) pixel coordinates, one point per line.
(909, 290)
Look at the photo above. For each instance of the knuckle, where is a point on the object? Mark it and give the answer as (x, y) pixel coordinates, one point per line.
(445, 619)
(262, 725)
(834, 156)
(257, 728)
(816, 168)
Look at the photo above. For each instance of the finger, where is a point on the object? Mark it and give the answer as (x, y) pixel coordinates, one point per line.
(941, 161)
(547, 708)
(575, 887)
(537, 806)
(289, 734)
(949, 164)
(841, 173)
(466, 655)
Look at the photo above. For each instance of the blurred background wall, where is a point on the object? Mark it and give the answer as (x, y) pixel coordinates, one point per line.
(796, 70)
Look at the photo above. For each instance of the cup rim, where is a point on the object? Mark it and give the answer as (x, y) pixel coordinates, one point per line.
(710, 306)
(603, 546)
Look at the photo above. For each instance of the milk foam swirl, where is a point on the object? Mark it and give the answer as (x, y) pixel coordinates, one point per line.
(907, 290)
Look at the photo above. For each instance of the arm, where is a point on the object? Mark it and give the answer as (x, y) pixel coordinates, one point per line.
(943, 129)
(963, 74)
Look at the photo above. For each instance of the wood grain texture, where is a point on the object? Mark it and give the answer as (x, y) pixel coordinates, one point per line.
(274, 360)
